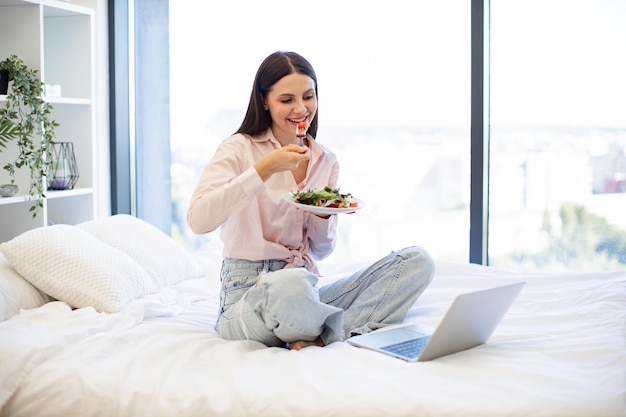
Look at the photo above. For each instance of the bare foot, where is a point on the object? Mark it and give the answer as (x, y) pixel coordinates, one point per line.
(302, 344)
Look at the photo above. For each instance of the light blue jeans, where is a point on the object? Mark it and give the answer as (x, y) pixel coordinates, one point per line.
(262, 301)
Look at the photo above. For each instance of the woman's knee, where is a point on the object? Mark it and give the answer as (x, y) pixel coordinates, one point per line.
(419, 265)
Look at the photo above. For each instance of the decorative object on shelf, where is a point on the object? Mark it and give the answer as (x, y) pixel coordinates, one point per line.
(8, 190)
(63, 173)
(4, 81)
(26, 119)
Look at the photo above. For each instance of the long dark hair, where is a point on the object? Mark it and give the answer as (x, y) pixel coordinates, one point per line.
(272, 69)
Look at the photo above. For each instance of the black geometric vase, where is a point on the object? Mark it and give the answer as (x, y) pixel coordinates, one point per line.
(4, 81)
(64, 172)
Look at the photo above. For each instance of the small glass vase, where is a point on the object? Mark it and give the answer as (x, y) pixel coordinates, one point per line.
(63, 174)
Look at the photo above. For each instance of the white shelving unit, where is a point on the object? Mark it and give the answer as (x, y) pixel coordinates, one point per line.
(57, 39)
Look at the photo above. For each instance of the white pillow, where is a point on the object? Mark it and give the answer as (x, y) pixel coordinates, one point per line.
(161, 257)
(70, 265)
(16, 293)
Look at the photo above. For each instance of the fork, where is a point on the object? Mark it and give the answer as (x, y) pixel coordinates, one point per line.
(301, 128)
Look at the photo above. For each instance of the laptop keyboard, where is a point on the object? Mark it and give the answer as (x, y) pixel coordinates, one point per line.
(411, 348)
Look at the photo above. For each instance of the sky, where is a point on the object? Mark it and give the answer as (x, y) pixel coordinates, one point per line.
(404, 62)
(559, 62)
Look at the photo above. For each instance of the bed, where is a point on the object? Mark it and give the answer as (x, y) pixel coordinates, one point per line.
(113, 318)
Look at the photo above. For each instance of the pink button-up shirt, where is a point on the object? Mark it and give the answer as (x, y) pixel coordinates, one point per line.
(256, 223)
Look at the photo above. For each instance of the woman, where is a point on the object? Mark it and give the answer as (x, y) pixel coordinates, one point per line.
(269, 273)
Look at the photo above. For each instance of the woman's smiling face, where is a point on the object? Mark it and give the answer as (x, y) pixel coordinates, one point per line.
(292, 99)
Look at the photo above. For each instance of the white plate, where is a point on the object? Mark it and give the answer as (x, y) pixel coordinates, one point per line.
(288, 197)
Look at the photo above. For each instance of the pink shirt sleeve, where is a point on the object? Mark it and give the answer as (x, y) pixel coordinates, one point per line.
(256, 223)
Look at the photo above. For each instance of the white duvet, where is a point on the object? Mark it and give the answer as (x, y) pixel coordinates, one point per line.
(560, 351)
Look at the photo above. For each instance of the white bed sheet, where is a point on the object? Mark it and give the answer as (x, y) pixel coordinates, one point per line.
(560, 351)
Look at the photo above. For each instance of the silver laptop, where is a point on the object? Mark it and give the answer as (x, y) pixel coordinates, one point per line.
(469, 322)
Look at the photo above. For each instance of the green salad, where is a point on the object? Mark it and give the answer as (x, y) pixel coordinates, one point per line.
(324, 197)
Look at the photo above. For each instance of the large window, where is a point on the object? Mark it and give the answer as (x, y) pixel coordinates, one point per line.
(558, 134)
(394, 85)
(394, 105)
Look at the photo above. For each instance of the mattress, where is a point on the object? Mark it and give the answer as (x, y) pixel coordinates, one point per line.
(559, 351)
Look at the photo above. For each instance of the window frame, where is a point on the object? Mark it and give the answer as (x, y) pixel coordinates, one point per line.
(128, 117)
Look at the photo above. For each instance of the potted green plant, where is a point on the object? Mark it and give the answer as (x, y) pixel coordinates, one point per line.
(26, 120)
